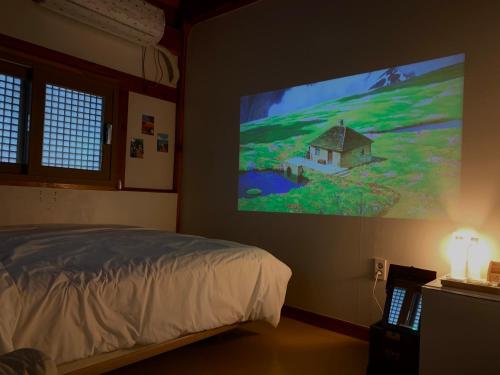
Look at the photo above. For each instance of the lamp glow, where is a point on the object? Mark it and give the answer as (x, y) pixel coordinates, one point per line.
(458, 257)
(473, 260)
(468, 255)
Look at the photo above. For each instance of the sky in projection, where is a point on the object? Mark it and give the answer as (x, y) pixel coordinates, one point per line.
(303, 96)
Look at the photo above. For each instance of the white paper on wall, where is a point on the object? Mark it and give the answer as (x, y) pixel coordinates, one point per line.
(148, 167)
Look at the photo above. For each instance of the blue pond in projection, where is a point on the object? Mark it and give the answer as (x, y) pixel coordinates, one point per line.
(268, 182)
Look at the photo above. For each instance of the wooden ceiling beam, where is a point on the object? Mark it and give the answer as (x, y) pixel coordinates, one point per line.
(172, 40)
(166, 3)
(172, 36)
(196, 12)
(172, 13)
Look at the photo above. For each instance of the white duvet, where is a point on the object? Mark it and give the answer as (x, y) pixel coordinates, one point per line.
(73, 292)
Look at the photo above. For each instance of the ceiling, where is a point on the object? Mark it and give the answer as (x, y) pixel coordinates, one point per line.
(193, 11)
(179, 12)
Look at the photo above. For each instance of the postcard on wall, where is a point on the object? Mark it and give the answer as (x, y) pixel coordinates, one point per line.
(137, 148)
(148, 124)
(162, 142)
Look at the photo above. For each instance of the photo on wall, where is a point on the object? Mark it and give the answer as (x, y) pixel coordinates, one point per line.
(148, 125)
(386, 143)
(162, 142)
(137, 148)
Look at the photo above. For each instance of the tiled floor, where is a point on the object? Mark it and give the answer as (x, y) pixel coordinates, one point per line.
(258, 348)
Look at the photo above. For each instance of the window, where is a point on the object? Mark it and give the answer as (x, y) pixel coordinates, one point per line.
(54, 125)
(10, 113)
(13, 93)
(72, 129)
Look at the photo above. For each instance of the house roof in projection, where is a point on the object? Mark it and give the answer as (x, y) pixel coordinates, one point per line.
(341, 139)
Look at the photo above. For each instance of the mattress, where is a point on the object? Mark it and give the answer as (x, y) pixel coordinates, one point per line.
(76, 291)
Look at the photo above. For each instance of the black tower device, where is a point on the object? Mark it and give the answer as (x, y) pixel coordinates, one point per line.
(395, 340)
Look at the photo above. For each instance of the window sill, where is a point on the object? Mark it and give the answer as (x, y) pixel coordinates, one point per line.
(31, 181)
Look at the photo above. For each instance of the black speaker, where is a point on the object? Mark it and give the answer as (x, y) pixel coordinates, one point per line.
(395, 340)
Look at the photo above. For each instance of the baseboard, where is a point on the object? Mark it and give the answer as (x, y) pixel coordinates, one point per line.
(326, 322)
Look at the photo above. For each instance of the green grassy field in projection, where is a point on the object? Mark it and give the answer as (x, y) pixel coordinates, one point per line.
(412, 167)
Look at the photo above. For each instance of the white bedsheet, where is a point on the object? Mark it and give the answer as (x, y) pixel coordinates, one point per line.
(73, 292)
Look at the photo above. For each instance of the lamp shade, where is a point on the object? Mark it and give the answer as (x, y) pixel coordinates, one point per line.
(458, 257)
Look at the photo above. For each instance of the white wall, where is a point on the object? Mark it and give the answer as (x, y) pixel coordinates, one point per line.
(24, 19)
(28, 205)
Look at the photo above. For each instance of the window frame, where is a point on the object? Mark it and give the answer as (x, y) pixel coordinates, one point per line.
(23, 73)
(38, 73)
(46, 76)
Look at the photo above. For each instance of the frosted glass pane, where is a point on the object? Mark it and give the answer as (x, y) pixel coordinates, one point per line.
(72, 127)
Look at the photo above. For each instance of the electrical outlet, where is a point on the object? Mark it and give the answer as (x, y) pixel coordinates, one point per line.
(380, 264)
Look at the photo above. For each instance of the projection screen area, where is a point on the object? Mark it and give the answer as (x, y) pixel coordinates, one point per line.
(385, 143)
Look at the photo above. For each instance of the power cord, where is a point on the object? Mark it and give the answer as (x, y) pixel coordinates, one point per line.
(377, 275)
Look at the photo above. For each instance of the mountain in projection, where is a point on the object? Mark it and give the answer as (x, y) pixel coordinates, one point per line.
(390, 77)
(255, 107)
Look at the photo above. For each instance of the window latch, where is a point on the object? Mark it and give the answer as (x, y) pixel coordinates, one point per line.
(108, 133)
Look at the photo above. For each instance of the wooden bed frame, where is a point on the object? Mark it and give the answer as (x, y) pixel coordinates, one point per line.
(109, 361)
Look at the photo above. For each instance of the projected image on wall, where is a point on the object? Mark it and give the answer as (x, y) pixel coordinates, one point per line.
(384, 143)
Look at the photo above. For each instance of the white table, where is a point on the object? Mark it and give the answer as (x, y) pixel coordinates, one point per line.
(459, 332)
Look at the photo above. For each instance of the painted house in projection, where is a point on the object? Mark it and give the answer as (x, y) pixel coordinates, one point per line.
(340, 147)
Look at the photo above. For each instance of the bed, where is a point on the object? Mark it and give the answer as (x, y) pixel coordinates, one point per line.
(80, 292)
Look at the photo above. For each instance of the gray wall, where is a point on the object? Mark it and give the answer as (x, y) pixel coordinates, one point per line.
(280, 43)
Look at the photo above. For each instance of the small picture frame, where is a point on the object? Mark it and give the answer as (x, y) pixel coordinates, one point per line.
(162, 142)
(148, 124)
(137, 148)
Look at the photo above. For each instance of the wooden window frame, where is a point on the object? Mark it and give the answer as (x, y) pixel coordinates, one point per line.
(43, 77)
(38, 74)
(23, 73)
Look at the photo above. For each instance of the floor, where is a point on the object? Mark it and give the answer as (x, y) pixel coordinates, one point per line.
(258, 348)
